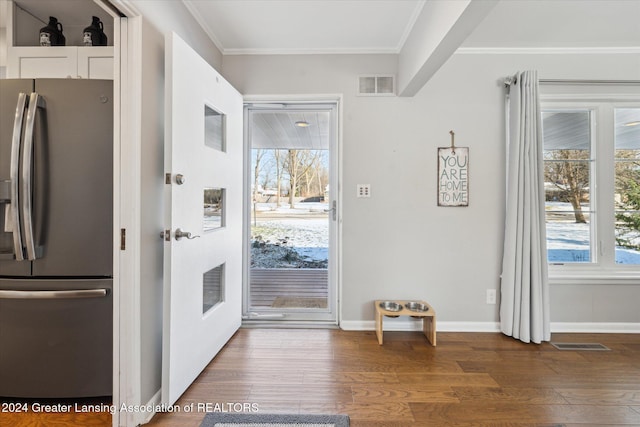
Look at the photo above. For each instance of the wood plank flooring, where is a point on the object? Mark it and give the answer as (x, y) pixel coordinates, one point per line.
(468, 380)
(55, 413)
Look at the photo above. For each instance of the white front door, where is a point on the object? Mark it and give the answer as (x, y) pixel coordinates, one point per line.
(203, 216)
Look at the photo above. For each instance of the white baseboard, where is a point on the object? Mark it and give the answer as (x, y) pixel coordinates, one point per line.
(402, 324)
(593, 327)
(416, 325)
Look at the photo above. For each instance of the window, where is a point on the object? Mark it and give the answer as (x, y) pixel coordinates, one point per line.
(627, 185)
(568, 164)
(212, 288)
(214, 129)
(592, 186)
(214, 209)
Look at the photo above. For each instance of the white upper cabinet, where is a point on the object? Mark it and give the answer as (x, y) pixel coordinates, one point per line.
(27, 59)
(60, 62)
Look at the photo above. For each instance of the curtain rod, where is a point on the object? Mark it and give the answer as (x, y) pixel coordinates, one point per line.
(512, 79)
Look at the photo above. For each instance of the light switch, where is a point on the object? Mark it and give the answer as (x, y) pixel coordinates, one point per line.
(363, 190)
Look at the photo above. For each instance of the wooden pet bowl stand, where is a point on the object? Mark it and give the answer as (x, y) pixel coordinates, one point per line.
(428, 319)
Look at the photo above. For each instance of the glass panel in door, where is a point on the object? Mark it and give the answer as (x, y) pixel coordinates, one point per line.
(291, 218)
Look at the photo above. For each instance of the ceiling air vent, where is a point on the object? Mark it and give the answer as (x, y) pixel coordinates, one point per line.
(377, 85)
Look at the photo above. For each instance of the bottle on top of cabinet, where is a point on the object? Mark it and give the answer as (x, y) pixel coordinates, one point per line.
(51, 35)
(94, 34)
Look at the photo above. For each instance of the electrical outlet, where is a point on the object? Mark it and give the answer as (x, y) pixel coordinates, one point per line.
(363, 190)
(491, 296)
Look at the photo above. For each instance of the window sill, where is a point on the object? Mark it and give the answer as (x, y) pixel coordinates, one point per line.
(580, 276)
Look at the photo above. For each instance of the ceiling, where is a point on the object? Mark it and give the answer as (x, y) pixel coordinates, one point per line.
(306, 26)
(275, 129)
(382, 26)
(559, 24)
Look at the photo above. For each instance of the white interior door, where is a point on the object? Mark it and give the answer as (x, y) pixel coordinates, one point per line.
(203, 227)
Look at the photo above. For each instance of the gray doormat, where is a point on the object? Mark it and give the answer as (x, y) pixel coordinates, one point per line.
(225, 419)
(290, 302)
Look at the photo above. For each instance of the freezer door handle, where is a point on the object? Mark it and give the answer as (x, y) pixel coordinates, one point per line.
(35, 102)
(12, 213)
(78, 293)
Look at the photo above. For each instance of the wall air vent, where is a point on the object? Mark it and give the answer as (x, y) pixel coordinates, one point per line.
(377, 85)
(579, 346)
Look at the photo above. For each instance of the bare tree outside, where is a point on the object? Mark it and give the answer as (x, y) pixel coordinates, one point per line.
(571, 195)
(299, 163)
(568, 171)
(279, 169)
(259, 154)
(304, 172)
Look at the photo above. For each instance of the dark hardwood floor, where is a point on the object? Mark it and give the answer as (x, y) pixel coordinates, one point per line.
(468, 380)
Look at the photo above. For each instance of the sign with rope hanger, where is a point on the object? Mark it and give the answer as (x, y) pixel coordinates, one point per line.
(453, 175)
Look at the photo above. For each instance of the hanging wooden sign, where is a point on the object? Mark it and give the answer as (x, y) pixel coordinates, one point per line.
(453, 175)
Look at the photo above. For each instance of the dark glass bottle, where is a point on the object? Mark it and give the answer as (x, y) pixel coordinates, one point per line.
(94, 34)
(51, 35)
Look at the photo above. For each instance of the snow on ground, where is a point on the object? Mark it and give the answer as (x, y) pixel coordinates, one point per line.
(569, 241)
(305, 229)
(308, 237)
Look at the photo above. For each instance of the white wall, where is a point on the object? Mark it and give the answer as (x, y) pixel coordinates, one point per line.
(399, 243)
(173, 16)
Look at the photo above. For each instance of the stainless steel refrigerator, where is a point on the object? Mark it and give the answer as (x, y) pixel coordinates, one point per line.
(56, 238)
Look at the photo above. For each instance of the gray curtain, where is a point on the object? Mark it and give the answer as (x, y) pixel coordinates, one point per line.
(524, 285)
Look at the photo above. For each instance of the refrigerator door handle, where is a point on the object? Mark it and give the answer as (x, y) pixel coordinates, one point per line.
(79, 293)
(35, 102)
(12, 213)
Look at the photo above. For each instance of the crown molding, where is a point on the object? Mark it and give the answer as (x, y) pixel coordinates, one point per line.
(624, 50)
(547, 50)
(203, 24)
(312, 51)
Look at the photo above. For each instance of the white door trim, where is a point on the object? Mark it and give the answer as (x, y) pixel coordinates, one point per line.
(130, 214)
(127, 176)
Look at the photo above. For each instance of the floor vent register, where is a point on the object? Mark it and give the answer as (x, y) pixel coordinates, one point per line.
(580, 346)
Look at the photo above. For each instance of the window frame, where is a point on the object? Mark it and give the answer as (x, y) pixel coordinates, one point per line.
(602, 269)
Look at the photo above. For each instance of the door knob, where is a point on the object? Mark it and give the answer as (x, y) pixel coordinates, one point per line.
(179, 234)
(333, 210)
